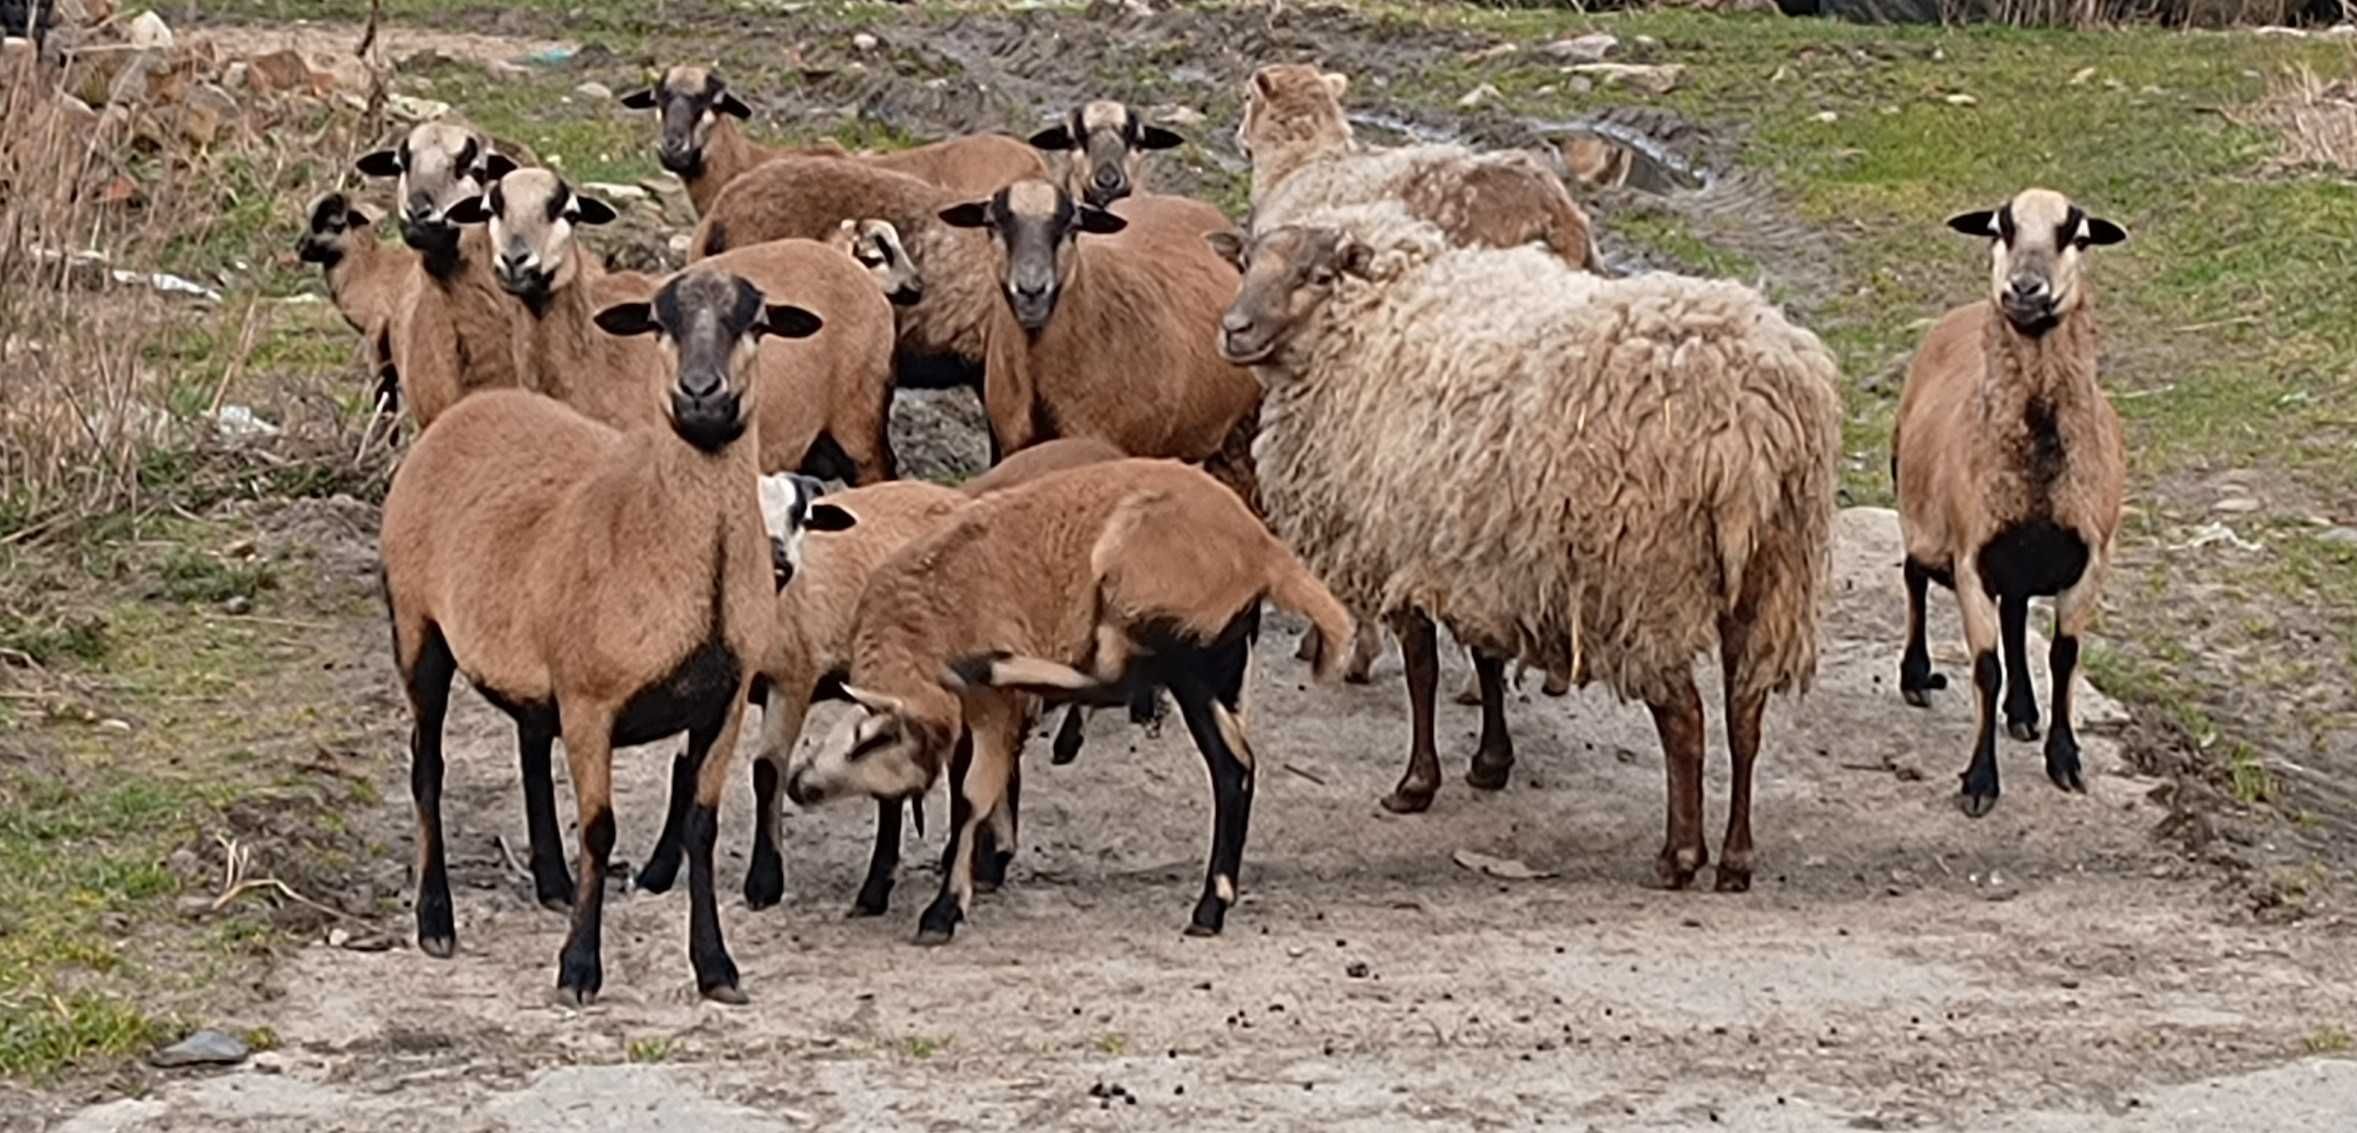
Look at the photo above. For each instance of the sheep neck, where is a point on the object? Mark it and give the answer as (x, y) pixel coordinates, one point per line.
(1281, 162)
(727, 153)
(357, 270)
(2039, 412)
(2056, 369)
(562, 353)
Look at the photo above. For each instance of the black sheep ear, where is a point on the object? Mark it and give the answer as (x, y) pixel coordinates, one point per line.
(972, 214)
(473, 210)
(496, 166)
(356, 219)
(828, 517)
(591, 210)
(1155, 137)
(382, 163)
(624, 320)
(2100, 232)
(785, 320)
(729, 104)
(1228, 246)
(640, 99)
(1980, 223)
(1099, 222)
(1055, 138)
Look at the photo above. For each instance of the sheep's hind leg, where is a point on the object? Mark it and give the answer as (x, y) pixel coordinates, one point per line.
(1493, 760)
(994, 840)
(552, 881)
(710, 746)
(1743, 749)
(2021, 698)
(1916, 680)
(662, 866)
(875, 893)
(1678, 717)
(1420, 655)
(428, 681)
(1209, 689)
(1980, 790)
(2073, 609)
(984, 758)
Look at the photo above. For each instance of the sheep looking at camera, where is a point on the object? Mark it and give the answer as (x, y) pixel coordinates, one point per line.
(1104, 144)
(2009, 469)
(1687, 502)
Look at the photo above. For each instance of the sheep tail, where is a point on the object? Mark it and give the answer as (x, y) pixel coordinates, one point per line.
(1293, 587)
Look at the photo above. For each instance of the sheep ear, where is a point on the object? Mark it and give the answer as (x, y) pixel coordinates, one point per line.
(1981, 223)
(497, 165)
(1056, 137)
(875, 701)
(1155, 137)
(972, 214)
(2100, 232)
(590, 210)
(730, 105)
(623, 320)
(1336, 82)
(828, 517)
(1100, 222)
(355, 217)
(1228, 246)
(382, 163)
(785, 320)
(640, 99)
(473, 210)
(1263, 85)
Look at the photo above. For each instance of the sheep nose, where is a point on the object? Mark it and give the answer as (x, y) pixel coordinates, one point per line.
(420, 208)
(2027, 289)
(514, 262)
(1108, 178)
(1030, 290)
(1235, 322)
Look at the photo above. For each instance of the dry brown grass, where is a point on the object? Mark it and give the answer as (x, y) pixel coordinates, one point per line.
(2316, 115)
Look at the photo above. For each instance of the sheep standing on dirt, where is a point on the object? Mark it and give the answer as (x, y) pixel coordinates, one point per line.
(825, 398)
(614, 588)
(1080, 585)
(368, 281)
(450, 336)
(1104, 144)
(703, 145)
(1687, 499)
(1104, 339)
(2007, 460)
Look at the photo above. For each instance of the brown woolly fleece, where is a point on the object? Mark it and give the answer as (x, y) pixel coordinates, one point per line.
(453, 336)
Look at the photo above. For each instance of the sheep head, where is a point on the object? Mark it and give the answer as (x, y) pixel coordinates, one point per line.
(790, 509)
(1105, 145)
(1289, 272)
(711, 323)
(436, 165)
(532, 213)
(1289, 107)
(892, 747)
(876, 245)
(1033, 227)
(687, 102)
(336, 224)
(2036, 243)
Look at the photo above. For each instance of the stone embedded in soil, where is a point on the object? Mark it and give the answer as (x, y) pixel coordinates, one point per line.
(2236, 505)
(204, 1048)
(2338, 537)
(595, 92)
(1591, 48)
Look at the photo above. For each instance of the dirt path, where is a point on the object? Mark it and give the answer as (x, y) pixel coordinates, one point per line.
(2049, 967)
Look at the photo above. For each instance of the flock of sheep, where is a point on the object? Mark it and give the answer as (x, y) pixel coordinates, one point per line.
(1404, 392)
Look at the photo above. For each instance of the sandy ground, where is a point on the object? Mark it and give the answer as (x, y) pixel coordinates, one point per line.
(2049, 967)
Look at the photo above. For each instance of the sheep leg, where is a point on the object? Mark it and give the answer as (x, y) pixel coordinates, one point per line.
(1366, 644)
(1067, 747)
(1743, 748)
(1558, 684)
(1469, 693)
(2021, 698)
(662, 866)
(1421, 657)
(994, 840)
(1916, 680)
(1494, 759)
(1979, 794)
(710, 746)
(975, 793)
(589, 755)
(782, 713)
(1678, 717)
(429, 698)
(2073, 609)
(552, 881)
(1209, 688)
(875, 893)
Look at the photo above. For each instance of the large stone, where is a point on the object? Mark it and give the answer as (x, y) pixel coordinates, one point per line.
(204, 1048)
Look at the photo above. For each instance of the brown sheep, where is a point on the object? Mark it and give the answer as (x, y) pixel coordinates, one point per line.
(369, 281)
(1104, 144)
(703, 145)
(1078, 311)
(1077, 586)
(2009, 469)
(825, 399)
(614, 588)
(877, 247)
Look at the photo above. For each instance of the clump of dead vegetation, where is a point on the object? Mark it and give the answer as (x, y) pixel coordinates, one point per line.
(2316, 115)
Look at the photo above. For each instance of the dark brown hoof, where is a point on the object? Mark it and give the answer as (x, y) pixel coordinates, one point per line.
(1734, 879)
(1489, 774)
(1976, 806)
(730, 994)
(1403, 800)
(1677, 870)
(933, 937)
(1468, 696)
(438, 947)
(2022, 729)
(1917, 697)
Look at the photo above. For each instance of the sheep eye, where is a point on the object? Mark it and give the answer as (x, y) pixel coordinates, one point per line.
(1322, 276)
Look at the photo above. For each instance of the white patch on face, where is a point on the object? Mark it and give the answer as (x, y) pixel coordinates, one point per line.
(782, 508)
(825, 772)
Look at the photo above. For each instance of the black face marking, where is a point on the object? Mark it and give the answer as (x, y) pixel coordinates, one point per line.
(328, 214)
(2066, 234)
(2005, 223)
(558, 201)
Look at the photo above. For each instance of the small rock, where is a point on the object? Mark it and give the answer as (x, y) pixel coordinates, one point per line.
(1961, 100)
(2236, 505)
(111, 724)
(1177, 117)
(501, 68)
(1624, 755)
(2080, 77)
(238, 604)
(678, 244)
(149, 32)
(185, 863)
(1781, 74)
(410, 108)
(204, 1048)
(1593, 47)
(612, 191)
(1477, 96)
(1828, 117)
(863, 42)
(338, 937)
(2338, 537)
(595, 92)
(1652, 79)
(1356, 969)
(1646, 43)
(1581, 84)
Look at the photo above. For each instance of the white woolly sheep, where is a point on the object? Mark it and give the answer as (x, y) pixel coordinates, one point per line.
(2007, 460)
(1687, 500)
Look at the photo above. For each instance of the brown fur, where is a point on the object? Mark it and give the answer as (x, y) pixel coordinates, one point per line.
(452, 337)
(975, 163)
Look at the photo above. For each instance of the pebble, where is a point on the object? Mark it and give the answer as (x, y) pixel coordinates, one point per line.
(113, 725)
(2338, 537)
(863, 42)
(238, 604)
(1590, 48)
(2236, 505)
(204, 1048)
(594, 91)
(1478, 95)
(1828, 117)
(1357, 970)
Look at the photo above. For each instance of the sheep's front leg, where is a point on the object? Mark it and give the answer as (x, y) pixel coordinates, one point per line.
(1678, 717)
(2073, 609)
(710, 747)
(589, 754)
(2021, 697)
(1420, 655)
(1210, 700)
(978, 776)
(875, 892)
(994, 840)
(1979, 795)
(1494, 759)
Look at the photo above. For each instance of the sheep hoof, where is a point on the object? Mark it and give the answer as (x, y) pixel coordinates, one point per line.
(2022, 729)
(554, 891)
(933, 937)
(1734, 879)
(578, 980)
(1210, 917)
(1408, 800)
(1675, 869)
(438, 947)
(1067, 746)
(765, 883)
(575, 998)
(1358, 676)
(1556, 688)
(1489, 772)
(939, 922)
(1469, 696)
(2062, 764)
(1977, 805)
(727, 993)
(1918, 692)
(660, 871)
(873, 901)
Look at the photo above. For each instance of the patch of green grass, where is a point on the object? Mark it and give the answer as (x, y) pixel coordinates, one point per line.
(924, 1046)
(2250, 780)
(1112, 1044)
(2328, 1038)
(40, 1035)
(51, 639)
(190, 575)
(650, 1049)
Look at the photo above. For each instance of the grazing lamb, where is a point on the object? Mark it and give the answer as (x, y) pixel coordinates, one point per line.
(1104, 144)
(450, 335)
(611, 588)
(2007, 460)
(702, 143)
(1077, 586)
(1686, 501)
(1305, 158)
(825, 399)
(1110, 340)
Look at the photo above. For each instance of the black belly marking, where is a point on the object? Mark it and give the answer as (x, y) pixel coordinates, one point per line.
(697, 689)
(2035, 558)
